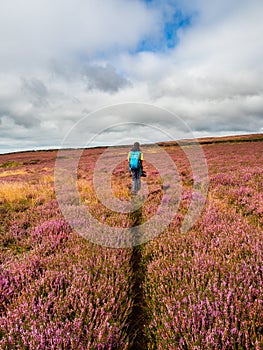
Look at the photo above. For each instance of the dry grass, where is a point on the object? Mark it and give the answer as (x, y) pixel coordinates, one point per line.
(12, 173)
(47, 179)
(12, 192)
(121, 191)
(86, 192)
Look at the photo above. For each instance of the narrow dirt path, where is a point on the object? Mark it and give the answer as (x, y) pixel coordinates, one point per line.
(139, 315)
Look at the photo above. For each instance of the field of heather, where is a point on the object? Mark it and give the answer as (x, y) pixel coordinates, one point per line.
(200, 289)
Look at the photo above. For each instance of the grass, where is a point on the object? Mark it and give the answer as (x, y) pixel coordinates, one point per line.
(10, 164)
(13, 173)
(15, 192)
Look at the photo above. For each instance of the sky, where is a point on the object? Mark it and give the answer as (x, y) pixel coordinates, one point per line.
(195, 66)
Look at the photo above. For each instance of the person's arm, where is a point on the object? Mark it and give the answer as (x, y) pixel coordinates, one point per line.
(128, 159)
(142, 160)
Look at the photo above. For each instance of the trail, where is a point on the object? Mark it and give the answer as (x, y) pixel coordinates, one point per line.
(139, 314)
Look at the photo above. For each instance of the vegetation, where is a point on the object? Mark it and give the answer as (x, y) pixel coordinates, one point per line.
(198, 290)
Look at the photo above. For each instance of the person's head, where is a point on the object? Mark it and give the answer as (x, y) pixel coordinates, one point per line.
(136, 146)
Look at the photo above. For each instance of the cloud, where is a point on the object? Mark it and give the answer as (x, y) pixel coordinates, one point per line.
(103, 78)
(15, 110)
(42, 30)
(36, 91)
(19, 115)
(61, 61)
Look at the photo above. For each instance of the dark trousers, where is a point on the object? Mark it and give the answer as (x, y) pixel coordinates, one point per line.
(136, 180)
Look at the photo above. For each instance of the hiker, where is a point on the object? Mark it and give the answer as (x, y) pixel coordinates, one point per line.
(135, 159)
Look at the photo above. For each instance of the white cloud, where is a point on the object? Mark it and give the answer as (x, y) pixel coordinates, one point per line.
(61, 60)
(35, 31)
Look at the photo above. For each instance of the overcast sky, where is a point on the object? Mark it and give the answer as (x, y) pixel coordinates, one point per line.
(62, 60)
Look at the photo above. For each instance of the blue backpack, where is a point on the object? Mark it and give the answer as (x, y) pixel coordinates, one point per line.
(135, 160)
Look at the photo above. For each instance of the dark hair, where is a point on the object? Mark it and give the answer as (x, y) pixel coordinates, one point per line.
(136, 147)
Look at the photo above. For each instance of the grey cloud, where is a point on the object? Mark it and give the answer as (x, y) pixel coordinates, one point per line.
(68, 71)
(225, 117)
(208, 88)
(36, 91)
(104, 78)
(3, 112)
(223, 125)
(25, 120)
(94, 76)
